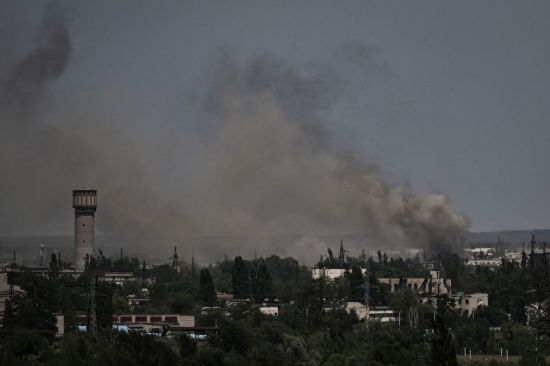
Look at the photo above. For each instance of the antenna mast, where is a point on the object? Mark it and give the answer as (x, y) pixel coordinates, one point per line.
(42, 246)
(175, 264)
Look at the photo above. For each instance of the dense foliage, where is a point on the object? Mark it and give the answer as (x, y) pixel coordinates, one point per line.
(312, 327)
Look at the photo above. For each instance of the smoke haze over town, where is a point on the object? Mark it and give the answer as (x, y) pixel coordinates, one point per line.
(202, 121)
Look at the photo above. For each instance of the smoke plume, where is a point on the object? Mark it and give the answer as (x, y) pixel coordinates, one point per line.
(44, 64)
(271, 170)
(254, 170)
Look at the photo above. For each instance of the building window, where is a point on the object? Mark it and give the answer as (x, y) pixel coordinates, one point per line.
(171, 319)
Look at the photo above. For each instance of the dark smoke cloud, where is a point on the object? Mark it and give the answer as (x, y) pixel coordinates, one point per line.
(272, 171)
(254, 171)
(44, 64)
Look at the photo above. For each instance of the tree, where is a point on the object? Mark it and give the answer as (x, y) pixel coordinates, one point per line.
(104, 304)
(453, 269)
(406, 301)
(54, 265)
(442, 344)
(34, 309)
(207, 293)
(261, 285)
(234, 336)
(187, 345)
(356, 283)
(239, 276)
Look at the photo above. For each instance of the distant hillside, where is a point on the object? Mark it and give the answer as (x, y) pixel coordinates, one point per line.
(509, 237)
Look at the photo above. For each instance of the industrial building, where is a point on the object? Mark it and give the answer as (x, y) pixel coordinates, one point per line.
(468, 304)
(118, 278)
(330, 274)
(151, 320)
(429, 285)
(84, 204)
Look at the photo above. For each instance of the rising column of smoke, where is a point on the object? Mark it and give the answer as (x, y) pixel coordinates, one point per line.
(270, 170)
(264, 169)
(47, 61)
(42, 162)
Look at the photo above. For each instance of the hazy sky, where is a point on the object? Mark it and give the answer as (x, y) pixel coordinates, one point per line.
(459, 102)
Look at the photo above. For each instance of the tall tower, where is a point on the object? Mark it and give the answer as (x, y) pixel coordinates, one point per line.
(84, 203)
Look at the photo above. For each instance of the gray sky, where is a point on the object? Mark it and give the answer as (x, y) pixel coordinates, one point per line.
(451, 98)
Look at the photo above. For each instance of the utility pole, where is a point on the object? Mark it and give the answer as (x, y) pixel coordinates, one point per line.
(42, 246)
(322, 292)
(175, 264)
(342, 254)
(367, 289)
(143, 274)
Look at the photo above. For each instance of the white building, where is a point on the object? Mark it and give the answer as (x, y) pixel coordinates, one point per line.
(270, 310)
(331, 274)
(382, 314)
(468, 304)
(483, 262)
(119, 278)
(5, 292)
(360, 309)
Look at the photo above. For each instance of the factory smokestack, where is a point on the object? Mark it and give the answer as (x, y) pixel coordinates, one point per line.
(85, 204)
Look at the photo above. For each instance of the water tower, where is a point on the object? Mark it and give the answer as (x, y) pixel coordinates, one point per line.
(85, 204)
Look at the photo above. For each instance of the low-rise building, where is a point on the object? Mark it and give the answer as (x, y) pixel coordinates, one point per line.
(429, 285)
(119, 278)
(223, 296)
(59, 324)
(269, 310)
(359, 308)
(468, 304)
(383, 314)
(331, 274)
(484, 262)
(185, 321)
(135, 302)
(6, 292)
(380, 313)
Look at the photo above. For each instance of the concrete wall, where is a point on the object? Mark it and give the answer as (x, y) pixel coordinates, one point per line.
(84, 238)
